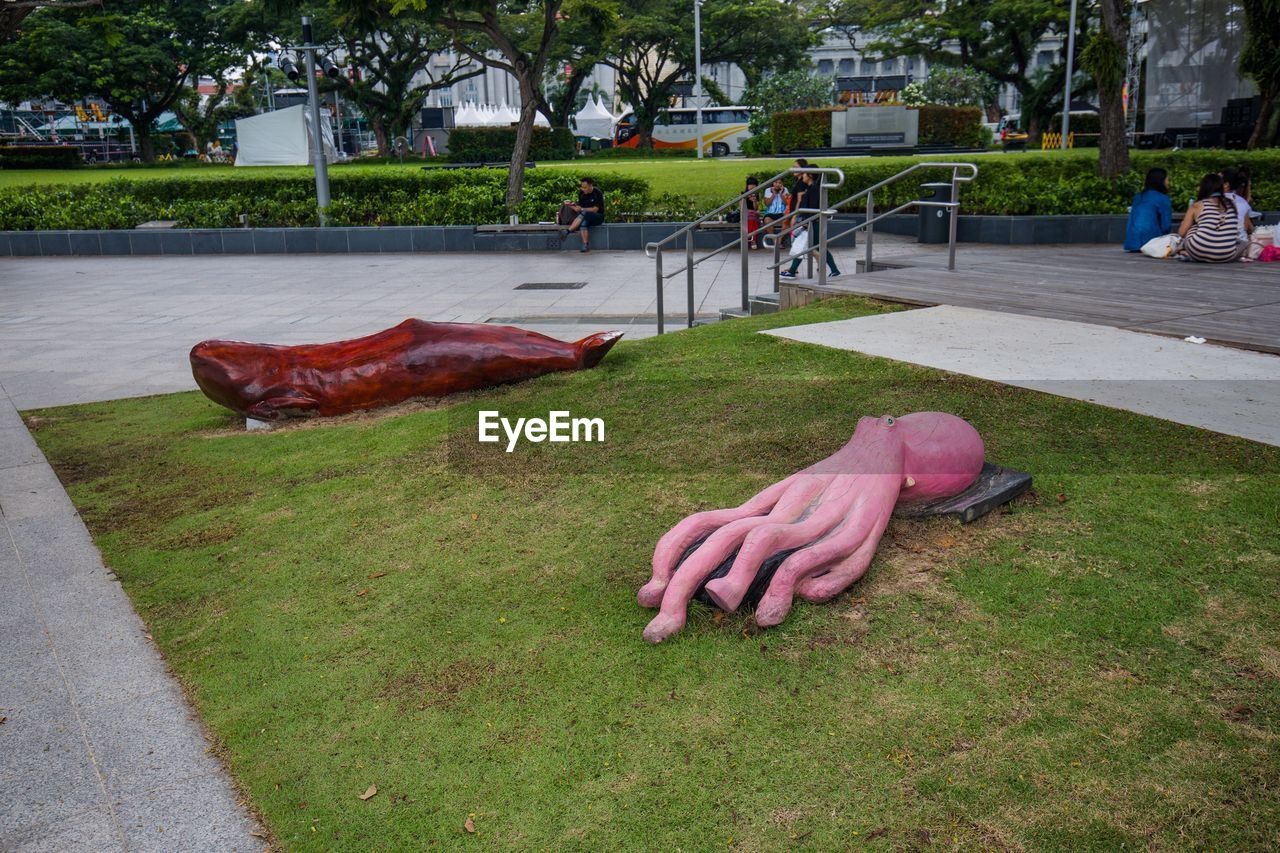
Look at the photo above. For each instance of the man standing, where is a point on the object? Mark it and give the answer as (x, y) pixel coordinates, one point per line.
(590, 208)
(807, 197)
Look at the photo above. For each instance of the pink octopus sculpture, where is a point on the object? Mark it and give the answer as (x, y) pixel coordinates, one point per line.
(819, 527)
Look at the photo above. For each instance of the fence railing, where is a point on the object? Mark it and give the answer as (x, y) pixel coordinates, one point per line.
(742, 243)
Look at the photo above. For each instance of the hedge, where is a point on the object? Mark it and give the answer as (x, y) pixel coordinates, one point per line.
(495, 144)
(432, 197)
(801, 129)
(959, 126)
(808, 129)
(1053, 184)
(39, 157)
(620, 152)
(1080, 123)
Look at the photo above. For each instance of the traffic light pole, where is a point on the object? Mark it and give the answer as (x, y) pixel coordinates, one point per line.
(317, 137)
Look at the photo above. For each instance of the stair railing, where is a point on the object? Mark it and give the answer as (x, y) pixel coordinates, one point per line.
(824, 213)
(742, 242)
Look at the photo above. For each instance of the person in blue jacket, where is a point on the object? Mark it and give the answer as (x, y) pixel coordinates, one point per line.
(1151, 214)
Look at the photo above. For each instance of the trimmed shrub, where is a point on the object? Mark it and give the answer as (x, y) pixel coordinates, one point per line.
(1080, 123)
(624, 153)
(960, 126)
(433, 197)
(759, 145)
(801, 129)
(39, 157)
(495, 144)
(1036, 184)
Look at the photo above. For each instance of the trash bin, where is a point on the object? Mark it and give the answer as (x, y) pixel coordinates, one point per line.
(935, 222)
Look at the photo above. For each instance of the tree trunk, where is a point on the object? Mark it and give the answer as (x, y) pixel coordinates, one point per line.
(520, 153)
(380, 137)
(1113, 146)
(146, 145)
(1262, 136)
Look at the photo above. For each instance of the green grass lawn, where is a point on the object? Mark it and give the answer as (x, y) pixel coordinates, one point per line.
(381, 600)
(705, 181)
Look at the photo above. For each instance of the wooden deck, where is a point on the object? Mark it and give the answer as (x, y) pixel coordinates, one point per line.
(1233, 304)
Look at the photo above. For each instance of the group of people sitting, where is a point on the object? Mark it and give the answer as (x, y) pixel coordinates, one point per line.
(1215, 228)
(783, 209)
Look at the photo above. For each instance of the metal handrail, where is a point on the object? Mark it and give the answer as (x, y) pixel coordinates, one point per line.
(822, 215)
(654, 250)
(794, 170)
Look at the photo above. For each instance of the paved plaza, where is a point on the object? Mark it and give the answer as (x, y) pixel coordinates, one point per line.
(75, 330)
(98, 747)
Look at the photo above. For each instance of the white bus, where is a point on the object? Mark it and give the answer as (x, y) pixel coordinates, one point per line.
(723, 129)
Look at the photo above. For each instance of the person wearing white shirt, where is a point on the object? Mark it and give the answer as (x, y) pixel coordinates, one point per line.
(1235, 186)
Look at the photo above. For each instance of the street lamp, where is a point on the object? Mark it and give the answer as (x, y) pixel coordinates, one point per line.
(1066, 95)
(313, 97)
(697, 68)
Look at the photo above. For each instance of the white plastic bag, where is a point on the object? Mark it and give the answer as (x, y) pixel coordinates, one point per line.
(1161, 247)
(799, 242)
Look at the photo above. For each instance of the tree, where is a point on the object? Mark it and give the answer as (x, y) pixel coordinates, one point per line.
(796, 89)
(953, 87)
(137, 56)
(387, 52)
(1260, 61)
(201, 115)
(653, 47)
(581, 41)
(1105, 59)
(13, 12)
(996, 37)
(520, 35)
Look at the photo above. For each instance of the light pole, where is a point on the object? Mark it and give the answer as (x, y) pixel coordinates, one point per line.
(1071, 55)
(697, 68)
(317, 138)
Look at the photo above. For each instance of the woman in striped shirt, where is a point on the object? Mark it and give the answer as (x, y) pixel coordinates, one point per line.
(1210, 231)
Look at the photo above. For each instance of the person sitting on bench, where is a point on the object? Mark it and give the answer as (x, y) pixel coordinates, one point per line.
(590, 208)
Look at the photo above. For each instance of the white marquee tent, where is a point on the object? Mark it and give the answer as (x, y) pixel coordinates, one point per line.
(594, 120)
(280, 138)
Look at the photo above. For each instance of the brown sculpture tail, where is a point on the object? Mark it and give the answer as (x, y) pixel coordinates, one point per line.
(592, 348)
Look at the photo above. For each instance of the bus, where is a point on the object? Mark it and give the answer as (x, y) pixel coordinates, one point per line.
(723, 129)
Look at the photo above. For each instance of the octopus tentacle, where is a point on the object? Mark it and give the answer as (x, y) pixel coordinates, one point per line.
(840, 576)
(692, 572)
(827, 510)
(864, 518)
(673, 545)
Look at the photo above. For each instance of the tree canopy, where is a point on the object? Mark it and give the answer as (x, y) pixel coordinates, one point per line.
(136, 55)
(653, 47)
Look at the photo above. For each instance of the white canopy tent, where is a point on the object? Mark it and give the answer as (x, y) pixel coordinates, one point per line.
(594, 120)
(465, 116)
(281, 138)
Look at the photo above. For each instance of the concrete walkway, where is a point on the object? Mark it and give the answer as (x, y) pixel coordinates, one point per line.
(99, 750)
(74, 330)
(1216, 388)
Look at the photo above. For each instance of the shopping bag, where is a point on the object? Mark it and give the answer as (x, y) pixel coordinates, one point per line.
(1161, 247)
(799, 242)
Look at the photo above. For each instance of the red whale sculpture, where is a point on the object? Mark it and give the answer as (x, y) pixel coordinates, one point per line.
(414, 359)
